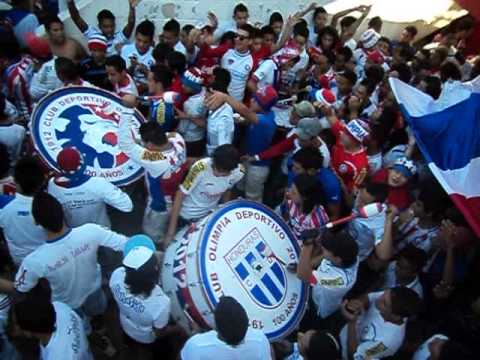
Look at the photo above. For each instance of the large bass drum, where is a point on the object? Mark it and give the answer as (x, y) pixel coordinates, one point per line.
(241, 250)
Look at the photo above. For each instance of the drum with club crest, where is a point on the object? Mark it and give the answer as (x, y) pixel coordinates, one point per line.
(241, 250)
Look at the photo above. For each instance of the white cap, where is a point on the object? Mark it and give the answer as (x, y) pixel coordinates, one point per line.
(138, 250)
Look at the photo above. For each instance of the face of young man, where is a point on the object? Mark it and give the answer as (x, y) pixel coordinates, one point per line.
(107, 27)
(169, 38)
(277, 27)
(242, 41)
(142, 42)
(113, 75)
(56, 33)
(99, 56)
(241, 18)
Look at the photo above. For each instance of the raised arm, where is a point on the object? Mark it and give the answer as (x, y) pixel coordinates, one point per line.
(343, 13)
(365, 10)
(218, 98)
(76, 17)
(286, 33)
(305, 11)
(384, 250)
(128, 29)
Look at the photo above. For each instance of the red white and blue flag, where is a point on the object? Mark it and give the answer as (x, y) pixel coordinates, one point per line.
(447, 131)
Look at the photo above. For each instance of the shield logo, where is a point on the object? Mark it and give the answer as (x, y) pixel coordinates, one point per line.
(258, 270)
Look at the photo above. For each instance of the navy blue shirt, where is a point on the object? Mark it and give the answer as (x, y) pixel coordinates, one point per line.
(260, 135)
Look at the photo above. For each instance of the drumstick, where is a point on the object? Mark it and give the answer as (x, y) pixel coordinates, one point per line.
(294, 98)
(364, 213)
(271, 254)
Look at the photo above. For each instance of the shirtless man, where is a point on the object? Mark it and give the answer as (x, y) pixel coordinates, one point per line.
(60, 44)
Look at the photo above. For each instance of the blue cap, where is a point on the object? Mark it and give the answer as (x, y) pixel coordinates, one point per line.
(137, 251)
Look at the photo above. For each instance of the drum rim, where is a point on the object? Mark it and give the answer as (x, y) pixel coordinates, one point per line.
(42, 104)
(202, 243)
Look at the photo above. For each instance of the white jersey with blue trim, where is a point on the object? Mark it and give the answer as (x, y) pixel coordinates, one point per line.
(240, 66)
(117, 38)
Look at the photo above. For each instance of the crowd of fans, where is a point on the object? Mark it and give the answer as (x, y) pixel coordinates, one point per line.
(297, 114)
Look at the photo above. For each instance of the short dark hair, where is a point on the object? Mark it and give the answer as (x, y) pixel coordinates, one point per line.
(450, 71)
(433, 198)
(342, 244)
(36, 315)
(221, 80)
(162, 74)
(143, 280)
(152, 132)
(375, 22)
(378, 190)
(412, 30)
(4, 160)
(177, 62)
(349, 75)
(146, 28)
(301, 29)
(51, 19)
(328, 30)
(267, 30)
(227, 36)
(375, 73)
(160, 52)
(66, 69)
(231, 320)
(319, 10)
(386, 40)
(257, 33)
(310, 191)
(405, 301)
(416, 257)
(275, 17)
(187, 28)
(404, 71)
(10, 49)
(346, 52)
(226, 157)
(322, 345)
(309, 158)
(347, 21)
(28, 173)
(404, 51)
(239, 8)
(51, 220)
(249, 29)
(117, 62)
(172, 26)
(105, 15)
(369, 85)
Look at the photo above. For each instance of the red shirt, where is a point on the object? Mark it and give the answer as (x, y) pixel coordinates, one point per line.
(346, 164)
(177, 87)
(259, 55)
(397, 196)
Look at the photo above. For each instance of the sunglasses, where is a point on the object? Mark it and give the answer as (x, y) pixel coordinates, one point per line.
(240, 37)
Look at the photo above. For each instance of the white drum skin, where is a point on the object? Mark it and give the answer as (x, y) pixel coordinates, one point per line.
(240, 250)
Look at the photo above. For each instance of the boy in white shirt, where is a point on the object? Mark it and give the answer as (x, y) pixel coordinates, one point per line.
(138, 56)
(208, 181)
(376, 323)
(123, 84)
(11, 134)
(231, 339)
(313, 345)
(84, 198)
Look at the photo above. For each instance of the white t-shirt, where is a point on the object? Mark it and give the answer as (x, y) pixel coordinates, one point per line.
(19, 228)
(130, 51)
(240, 66)
(220, 127)
(266, 73)
(87, 202)
(208, 346)
(377, 338)
(423, 352)
(390, 280)
(69, 340)
(368, 233)
(194, 106)
(139, 316)
(203, 190)
(117, 38)
(12, 135)
(127, 88)
(69, 263)
(329, 284)
(44, 81)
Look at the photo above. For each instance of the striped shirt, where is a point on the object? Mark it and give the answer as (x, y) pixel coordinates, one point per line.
(299, 222)
(18, 78)
(117, 38)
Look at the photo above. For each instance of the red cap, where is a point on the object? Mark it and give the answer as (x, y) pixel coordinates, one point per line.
(69, 160)
(376, 57)
(266, 97)
(38, 46)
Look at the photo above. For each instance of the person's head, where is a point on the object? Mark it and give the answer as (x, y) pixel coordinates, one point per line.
(408, 34)
(307, 131)
(152, 135)
(240, 15)
(364, 90)
(375, 23)
(177, 62)
(171, 32)
(71, 163)
(160, 52)
(402, 71)
(355, 134)
(401, 172)
(438, 56)
(243, 38)
(264, 99)
(401, 54)
(268, 35)
(144, 36)
(450, 72)
(257, 40)
(384, 45)
(303, 109)
(225, 159)
(340, 248)
(67, 71)
(51, 220)
(346, 26)
(55, 30)
(141, 265)
(410, 262)
(159, 79)
(370, 193)
(346, 80)
(300, 35)
(327, 38)
(116, 69)
(221, 80)
(185, 32)
(192, 81)
(320, 18)
(9, 52)
(276, 23)
(342, 56)
(231, 321)
(374, 72)
(28, 176)
(35, 317)
(307, 161)
(4, 161)
(305, 192)
(318, 344)
(97, 45)
(398, 303)
(431, 202)
(106, 23)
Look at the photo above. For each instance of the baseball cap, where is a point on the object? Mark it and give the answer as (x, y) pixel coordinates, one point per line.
(358, 129)
(308, 128)
(69, 160)
(286, 54)
(405, 166)
(369, 38)
(38, 46)
(304, 109)
(97, 42)
(325, 96)
(266, 97)
(193, 78)
(137, 251)
(376, 57)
